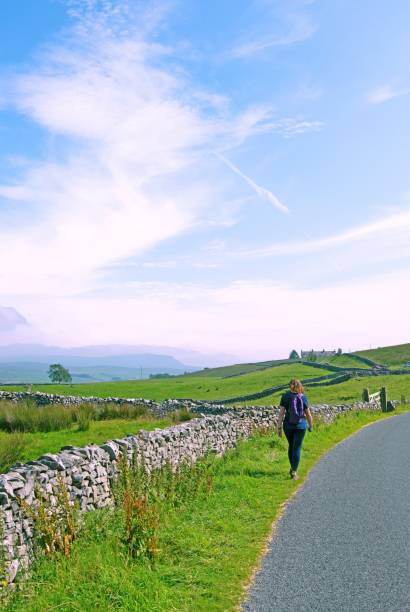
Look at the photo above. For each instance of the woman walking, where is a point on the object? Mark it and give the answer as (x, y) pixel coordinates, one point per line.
(298, 417)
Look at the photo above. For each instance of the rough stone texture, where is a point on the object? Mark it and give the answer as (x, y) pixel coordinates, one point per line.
(89, 472)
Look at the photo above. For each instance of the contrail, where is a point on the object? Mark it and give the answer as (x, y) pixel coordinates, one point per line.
(261, 191)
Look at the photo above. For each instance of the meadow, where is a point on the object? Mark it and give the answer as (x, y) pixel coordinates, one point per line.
(397, 385)
(207, 544)
(190, 386)
(394, 356)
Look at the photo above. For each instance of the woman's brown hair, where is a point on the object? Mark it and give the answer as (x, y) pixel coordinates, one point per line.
(296, 386)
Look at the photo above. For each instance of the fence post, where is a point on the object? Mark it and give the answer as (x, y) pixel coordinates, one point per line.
(365, 395)
(383, 399)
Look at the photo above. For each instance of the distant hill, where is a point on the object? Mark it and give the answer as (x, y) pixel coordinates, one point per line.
(20, 363)
(341, 361)
(396, 356)
(118, 354)
(22, 372)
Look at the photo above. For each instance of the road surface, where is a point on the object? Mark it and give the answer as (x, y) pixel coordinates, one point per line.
(343, 543)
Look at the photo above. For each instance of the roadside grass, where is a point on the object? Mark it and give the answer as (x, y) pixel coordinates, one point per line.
(27, 446)
(189, 386)
(208, 548)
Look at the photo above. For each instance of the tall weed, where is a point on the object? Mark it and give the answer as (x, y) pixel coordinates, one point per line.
(181, 415)
(12, 446)
(56, 521)
(84, 415)
(121, 411)
(28, 417)
(145, 496)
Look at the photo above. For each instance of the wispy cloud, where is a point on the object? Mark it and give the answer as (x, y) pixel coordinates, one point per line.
(260, 191)
(259, 311)
(292, 28)
(398, 223)
(131, 137)
(385, 93)
(289, 127)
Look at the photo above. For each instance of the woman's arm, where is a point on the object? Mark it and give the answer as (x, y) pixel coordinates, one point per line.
(309, 417)
(280, 420)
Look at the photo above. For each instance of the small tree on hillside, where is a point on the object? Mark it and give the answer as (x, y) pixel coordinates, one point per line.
(294, 355)
(58, 374)
(339, 351)
(312, 356)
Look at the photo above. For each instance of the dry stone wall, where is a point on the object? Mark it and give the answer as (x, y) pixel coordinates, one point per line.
(159, 409)
(89, 472)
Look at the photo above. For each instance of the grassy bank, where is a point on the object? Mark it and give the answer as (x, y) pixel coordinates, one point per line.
(208, 548)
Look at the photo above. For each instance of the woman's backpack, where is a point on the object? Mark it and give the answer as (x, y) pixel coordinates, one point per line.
(296, 408)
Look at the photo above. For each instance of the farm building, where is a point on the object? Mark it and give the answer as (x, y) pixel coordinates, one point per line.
(306, 354)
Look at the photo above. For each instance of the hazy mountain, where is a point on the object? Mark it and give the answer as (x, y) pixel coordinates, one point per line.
(27, 372)
(113, 354)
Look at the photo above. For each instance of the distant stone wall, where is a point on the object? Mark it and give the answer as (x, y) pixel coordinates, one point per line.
(89, 472)
(159, 409)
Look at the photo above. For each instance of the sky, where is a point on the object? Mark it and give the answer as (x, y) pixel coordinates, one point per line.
(223, 175)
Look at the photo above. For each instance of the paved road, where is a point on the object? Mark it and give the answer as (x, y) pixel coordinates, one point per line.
(343, 543)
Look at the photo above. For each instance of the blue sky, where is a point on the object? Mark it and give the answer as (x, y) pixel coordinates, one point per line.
(225, 176)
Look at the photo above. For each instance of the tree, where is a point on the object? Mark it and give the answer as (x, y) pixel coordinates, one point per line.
(339, 351)
(312, 356)
(294, 355)
(58, 374)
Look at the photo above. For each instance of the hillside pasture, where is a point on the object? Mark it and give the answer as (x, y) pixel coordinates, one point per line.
(344, 361)
(240, 368)
(190, 386)
(394, 356)
(351, 390)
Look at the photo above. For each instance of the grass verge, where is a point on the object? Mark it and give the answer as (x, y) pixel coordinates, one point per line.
(208, 548)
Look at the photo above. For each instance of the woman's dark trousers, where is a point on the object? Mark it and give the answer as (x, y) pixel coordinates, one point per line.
(295, 439)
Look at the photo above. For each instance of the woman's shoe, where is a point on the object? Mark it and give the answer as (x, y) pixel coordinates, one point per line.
(293, 475)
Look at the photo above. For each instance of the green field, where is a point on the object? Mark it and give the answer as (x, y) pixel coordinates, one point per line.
(350, 391)
(208, 547)
(344, 361)
(189, 386)
(239, 368)
(395, 356)
(39, 443)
